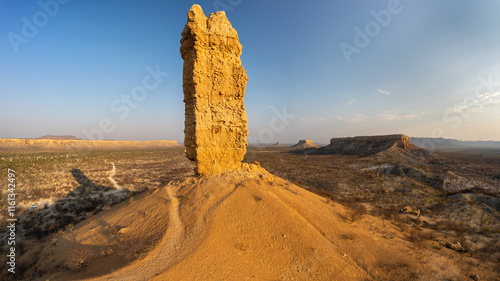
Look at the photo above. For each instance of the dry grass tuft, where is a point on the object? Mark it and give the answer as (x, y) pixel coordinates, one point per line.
(356, 211)
(78, 258)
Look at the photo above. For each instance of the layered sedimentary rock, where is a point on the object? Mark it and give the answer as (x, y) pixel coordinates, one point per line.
(306, 144)
(368, 145)
(52, 144)
(400, 140)
(214, 84)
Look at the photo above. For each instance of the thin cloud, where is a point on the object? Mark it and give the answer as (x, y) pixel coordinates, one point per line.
(381, 92)
(384, 116)
(314, 119)
(475, 104)
(352, 101)
(413, 116)
(318, 119)
(388, 116)
(352, 118)
(358, 118)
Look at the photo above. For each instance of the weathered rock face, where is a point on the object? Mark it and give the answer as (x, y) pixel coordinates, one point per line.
(396, 138)
(367, 145)
(214, 87)
(402, 141)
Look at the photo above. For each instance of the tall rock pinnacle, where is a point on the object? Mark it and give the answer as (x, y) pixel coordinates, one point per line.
(214, 84)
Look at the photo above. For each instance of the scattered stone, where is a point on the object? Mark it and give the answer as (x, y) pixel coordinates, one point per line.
(416, 212)
(455, 246)
(214, 84)
(406, 210)
(474, 277)
(409, 210)
(124, 230)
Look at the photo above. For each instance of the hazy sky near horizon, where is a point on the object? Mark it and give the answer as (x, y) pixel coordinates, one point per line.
(317, 69)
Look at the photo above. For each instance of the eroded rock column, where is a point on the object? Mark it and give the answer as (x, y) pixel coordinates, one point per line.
(214, 84)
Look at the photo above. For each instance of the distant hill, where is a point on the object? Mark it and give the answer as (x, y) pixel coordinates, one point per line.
(305, 144)
(279, 144)
(371, 145)
(441, 143)
(57, 144)
(63, 137)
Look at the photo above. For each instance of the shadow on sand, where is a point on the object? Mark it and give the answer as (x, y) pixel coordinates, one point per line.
(84, 201)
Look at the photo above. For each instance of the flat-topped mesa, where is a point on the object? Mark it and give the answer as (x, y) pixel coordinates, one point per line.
(402, 141)
(306, 144)
(306, 141)
(214, 84)
(57, 144)
(369, 145)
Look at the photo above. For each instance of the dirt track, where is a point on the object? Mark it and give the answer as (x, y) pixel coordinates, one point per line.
(160, 259)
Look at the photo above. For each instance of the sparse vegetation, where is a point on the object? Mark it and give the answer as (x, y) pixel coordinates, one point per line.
(356, 211)
(78, 258)
(364, 185)
(456, 194)
(58, 188)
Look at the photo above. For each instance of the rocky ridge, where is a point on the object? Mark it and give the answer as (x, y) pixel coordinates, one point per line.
(83, 144)
(369, 145)
(62, 137)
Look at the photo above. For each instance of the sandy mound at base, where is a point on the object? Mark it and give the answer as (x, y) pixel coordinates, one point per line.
(247, 225)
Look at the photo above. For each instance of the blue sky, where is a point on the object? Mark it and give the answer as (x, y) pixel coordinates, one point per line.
(317, 69)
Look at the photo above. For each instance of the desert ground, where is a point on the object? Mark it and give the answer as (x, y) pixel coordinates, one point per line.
(83, 214)
(360, 208)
